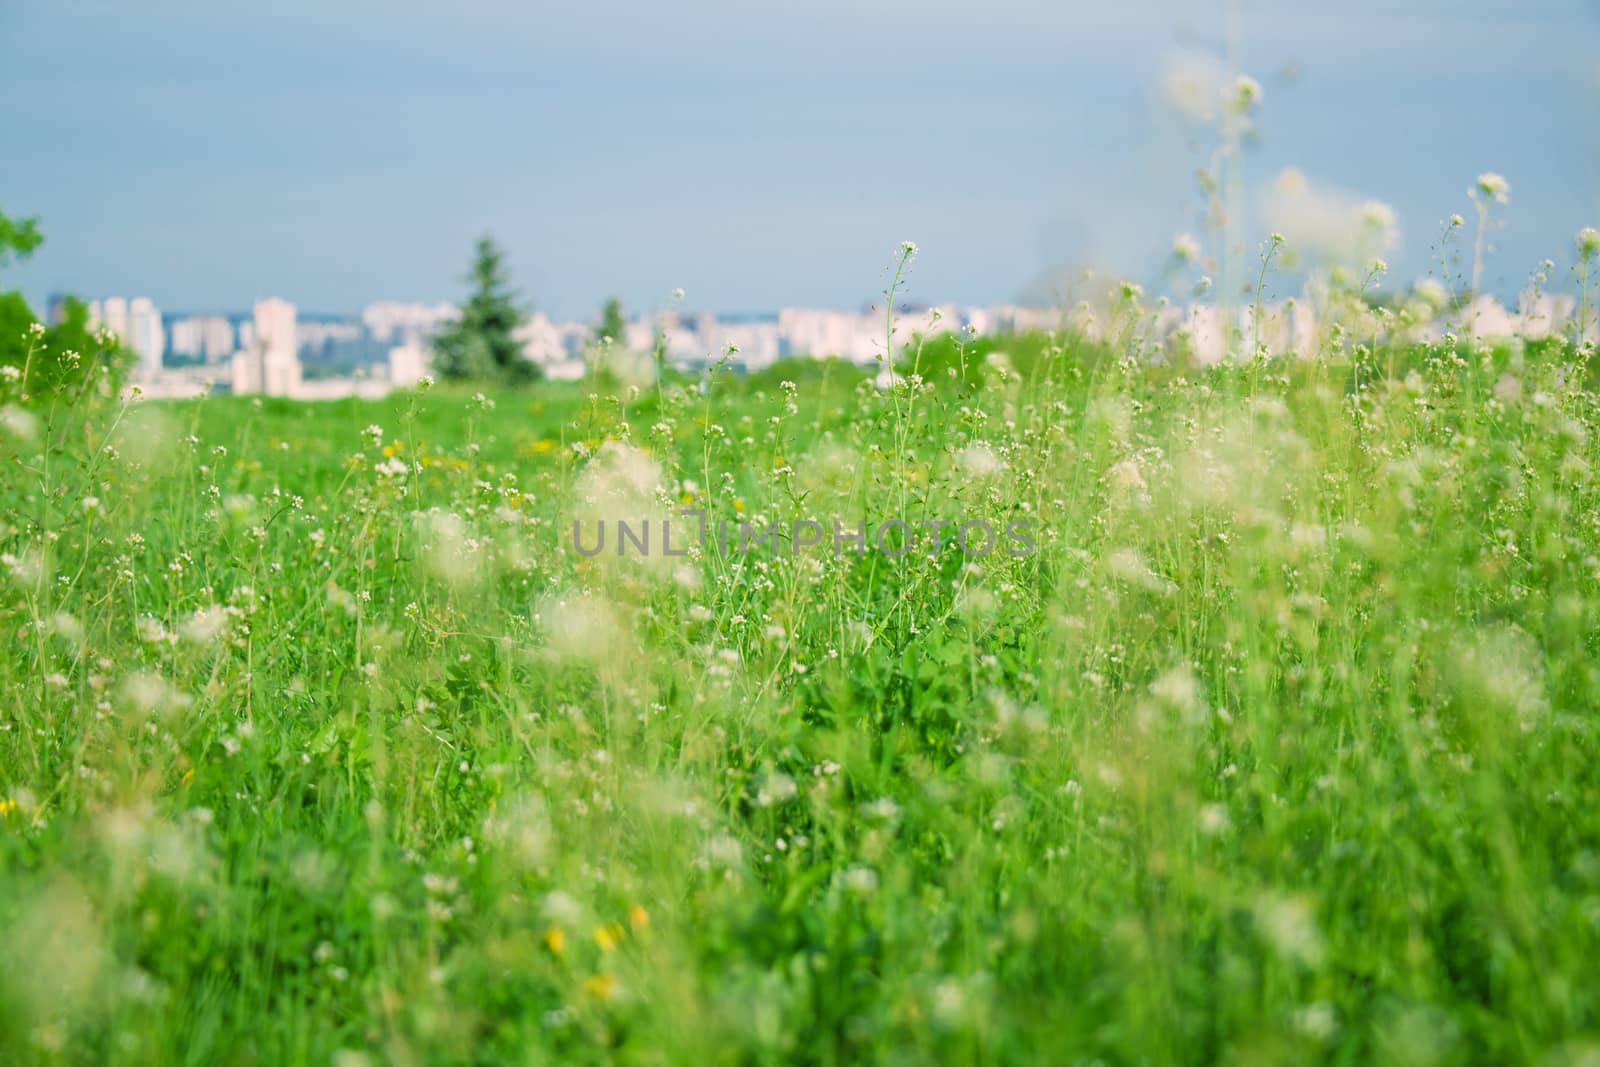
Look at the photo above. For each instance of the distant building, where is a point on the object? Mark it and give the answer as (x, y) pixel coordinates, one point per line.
(114, 317)
(1204, 328)
(270, 364)
(217, 339)
(146, 336)
(208, 337)
(1542, 314)
(819, 332)
(390, 321)
(759, 342)
(278, 340)
(554, 346)
(407, 364)
(135, 323)
(1487, 319)
(246, 377)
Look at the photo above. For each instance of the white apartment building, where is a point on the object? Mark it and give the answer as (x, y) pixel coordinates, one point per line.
(113, 317)
(146, 335)
(854, 336)
(407, 365)
(207, 336)
(271, 363)
(391, 321)
(135, 323)
(553, 345)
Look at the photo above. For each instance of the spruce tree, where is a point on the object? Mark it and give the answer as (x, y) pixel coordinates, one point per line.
(482, 344)
(612, 325)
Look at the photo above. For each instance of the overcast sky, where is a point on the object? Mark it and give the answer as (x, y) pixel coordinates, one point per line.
(336, 152)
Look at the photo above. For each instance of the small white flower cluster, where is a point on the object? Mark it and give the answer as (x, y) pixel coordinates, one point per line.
(1588, 243)
(1494, 187)
(1246, 93)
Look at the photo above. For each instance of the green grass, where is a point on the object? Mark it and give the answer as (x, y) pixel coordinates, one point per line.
(1280, 749)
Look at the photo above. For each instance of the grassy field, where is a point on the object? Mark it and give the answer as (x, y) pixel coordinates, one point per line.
(320, 743)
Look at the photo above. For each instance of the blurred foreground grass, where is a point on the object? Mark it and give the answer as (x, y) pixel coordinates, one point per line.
(320, 744)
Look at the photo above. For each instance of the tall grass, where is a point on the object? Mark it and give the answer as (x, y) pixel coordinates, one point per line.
(319, 744)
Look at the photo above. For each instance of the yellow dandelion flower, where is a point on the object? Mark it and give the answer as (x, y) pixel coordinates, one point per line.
(609, 937)
(738, 505)
(600, 986)
(555, 940)
(638, 918)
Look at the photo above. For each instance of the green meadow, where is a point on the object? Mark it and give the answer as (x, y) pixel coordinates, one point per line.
(320, 743)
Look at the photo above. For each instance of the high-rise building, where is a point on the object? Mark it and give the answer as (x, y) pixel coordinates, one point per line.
(407, 364)
(114, 317)
(279, 347)
(268, 360)
(184, 337)
(145, 335)
(205, 336)
(404, 323)
(246, 372)
(209, 337)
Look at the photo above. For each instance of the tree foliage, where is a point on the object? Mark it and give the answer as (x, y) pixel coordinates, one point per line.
(613, 326)
(18, 237)
(482, 345)
(65, 359)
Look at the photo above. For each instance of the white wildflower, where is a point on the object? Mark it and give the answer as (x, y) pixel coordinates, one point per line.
(1588, 243)
(1494, 187)
(979, 461)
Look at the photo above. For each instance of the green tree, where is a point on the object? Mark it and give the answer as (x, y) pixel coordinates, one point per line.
(18, 237)
(482, 344)
(612, 325)
(65, 359)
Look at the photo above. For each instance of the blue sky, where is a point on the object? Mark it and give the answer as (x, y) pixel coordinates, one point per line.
(758, 155)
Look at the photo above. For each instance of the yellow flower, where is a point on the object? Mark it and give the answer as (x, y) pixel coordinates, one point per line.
(7, 806)
(555, 940)
(638, 918)
(609, 937)
(600, 986)
(738, 505)
(188, 776)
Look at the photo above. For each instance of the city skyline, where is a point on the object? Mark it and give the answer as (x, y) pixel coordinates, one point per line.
(338, 154)
(389, 345)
